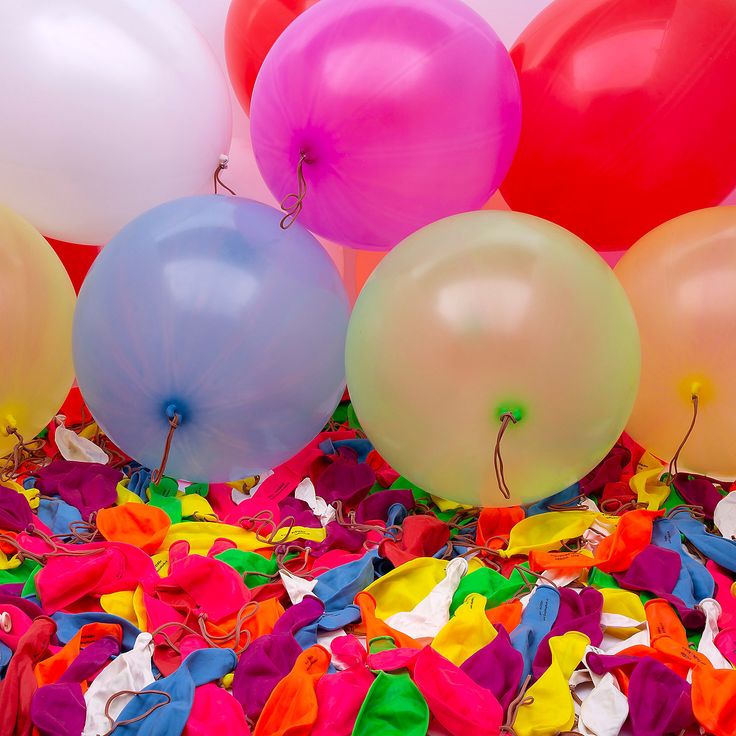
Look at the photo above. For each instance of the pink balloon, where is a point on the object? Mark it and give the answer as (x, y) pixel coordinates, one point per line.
(730, 200)
(405, 111)
(611, 257)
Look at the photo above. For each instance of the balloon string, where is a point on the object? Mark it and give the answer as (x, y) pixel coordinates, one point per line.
(221, 166)
(672, 471)
(506, 419)
(142, 715)
(293, 210)
(173, 424)
(21, 452)
(237, 632)
(521, 700)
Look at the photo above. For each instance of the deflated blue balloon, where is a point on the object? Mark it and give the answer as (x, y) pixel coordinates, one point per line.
(205, 308)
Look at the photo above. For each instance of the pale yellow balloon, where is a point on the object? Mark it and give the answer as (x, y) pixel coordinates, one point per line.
(37, 301)
(681, 280)
(483, 312)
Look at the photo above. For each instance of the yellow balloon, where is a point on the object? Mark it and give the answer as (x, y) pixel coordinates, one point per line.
(681, 280)
(37, 301)
(478, 315)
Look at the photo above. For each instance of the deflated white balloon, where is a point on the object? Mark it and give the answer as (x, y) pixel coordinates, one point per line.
(109, 108)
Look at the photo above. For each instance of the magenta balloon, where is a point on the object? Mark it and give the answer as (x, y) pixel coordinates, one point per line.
(406, 111)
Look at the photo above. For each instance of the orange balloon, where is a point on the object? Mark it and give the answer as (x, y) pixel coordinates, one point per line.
(713, 693)
(138, 524)
(507, 615)
(681, 281)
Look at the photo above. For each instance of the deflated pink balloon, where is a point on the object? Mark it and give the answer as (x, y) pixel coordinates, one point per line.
(403, 111)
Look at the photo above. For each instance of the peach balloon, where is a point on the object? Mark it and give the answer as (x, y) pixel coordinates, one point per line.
(37, 300)
(681, 280)
(485, 313)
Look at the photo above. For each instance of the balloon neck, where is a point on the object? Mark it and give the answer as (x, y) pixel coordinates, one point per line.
(516, 411)
(9, 422)
(173, 411)
(696, 387)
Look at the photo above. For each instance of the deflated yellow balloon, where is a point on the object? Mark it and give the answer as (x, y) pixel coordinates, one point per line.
(478, 315)
(681, 280)
(37, 302)
(552, 709)
(468, 631)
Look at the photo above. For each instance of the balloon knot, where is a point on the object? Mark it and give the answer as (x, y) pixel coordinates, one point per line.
(293, 208)
(221, 166)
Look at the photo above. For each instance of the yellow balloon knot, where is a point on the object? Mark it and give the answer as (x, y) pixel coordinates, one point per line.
(696, 386)
(9, 424)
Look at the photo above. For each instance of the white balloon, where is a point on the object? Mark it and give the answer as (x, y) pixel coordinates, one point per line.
(209, 18)
(110, 107)
(508, 17)
(242, 174)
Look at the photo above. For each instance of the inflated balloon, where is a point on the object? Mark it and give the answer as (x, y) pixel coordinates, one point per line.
(209, 19)
(116, 107)
(479, 316)
(242, 174)
(250, 32)
(397, 112)
(77, 259)
(628, 115)
(37, 302)
(253, 27)
(680, 279)
(204, 308)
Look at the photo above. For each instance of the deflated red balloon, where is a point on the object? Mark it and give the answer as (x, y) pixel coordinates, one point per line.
(252, 27)
(628, 110)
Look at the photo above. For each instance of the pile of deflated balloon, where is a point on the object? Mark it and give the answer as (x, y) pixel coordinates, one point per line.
(331, 596)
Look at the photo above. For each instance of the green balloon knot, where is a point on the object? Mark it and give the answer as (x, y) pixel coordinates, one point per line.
(516, 411)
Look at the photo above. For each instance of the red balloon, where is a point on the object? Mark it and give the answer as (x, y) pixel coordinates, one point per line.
(628, 110)
(252, 28)
(77, 259)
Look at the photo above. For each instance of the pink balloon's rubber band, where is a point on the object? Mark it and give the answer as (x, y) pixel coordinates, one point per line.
(293, 210)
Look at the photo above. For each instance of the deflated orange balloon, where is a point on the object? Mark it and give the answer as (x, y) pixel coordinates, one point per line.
(681, 281)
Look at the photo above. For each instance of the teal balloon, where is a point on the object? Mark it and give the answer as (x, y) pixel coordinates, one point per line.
(206, 309)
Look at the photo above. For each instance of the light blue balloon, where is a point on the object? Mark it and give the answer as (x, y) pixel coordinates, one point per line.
(205, 306)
